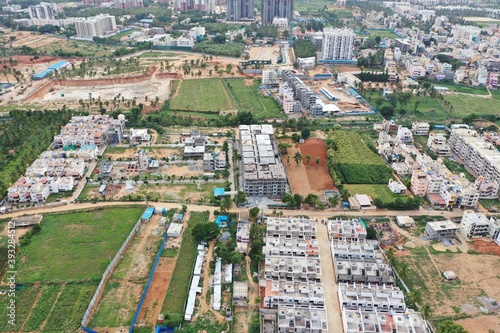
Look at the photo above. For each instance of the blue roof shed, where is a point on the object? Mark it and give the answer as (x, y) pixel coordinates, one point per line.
(221, 221)
(148, 213)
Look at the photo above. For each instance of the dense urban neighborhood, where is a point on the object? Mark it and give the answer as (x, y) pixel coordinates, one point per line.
(250, 166)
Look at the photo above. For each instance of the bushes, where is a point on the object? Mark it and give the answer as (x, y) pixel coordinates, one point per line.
(304, 48)
(231, 49)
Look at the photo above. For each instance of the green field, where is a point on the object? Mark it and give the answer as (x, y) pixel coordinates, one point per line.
(75, 246)
(202, 95)
(463, 89)
(159, 54)
(464, 105)
(373, 190)
(177, 292)
(248, 98)
(381, 33)
(354, 162)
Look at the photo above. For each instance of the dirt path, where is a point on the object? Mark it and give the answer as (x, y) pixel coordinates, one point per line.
(252, 287)
(32, 307)
(328, 278)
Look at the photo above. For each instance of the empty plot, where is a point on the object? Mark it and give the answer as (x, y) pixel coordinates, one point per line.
(201, 95)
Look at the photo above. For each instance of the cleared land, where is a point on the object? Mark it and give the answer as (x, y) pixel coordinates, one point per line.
(381, 33)
(354, 162)
(201, 95)
(318, 178)
(249, 99)
(177, 291)
(464, 105)
(373, 190)
(477, 279)
(75, 246)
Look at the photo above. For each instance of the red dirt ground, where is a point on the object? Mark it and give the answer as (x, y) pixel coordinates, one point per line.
(482, 246)
(318, 175)
(157, 290)
(26, 59)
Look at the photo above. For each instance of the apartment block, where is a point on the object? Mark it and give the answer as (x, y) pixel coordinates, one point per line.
(440, 229)
(369, 297)
(42, 11)
(240, 10)
(291, 285)
(353, 250)
(262, 174)
(276, 8)
(420, 128)
(363, 270)
(487, 189)
(419, 183)
(474, 224)
(128, 4)
(476, 153)
(338, 44)
(194, 147)
(404, 134)
(459, 192)
(347, 230)
(362, 321)
(437, 143)
(96, 26)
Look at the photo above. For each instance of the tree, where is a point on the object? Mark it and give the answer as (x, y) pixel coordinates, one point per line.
(283, 147)
(387, 111)
(205, 231)
(312, 200)
(334, 201)
(298, 200)
(448, 326)
(241, 197)
(254, 211)
(426, 311)
(305, 133)
(403, 272)
(296, 137)
(226, 204)
(371, 233)
(318, 160)
(308, 158)
(390, 256)
(297, 157)
(415, 295)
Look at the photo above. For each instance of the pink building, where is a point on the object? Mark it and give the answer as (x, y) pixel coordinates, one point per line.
(419, 183)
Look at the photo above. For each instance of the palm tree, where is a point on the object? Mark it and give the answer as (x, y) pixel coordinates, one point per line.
(426, 311)
(390, 256)
(403, 270)
(317, 160)
(226, 204)
(334, 201)
(308, 158)
(415, 296)
(297, 157)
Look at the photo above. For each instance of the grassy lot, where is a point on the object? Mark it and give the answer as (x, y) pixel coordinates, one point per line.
(158, 54)
(458, 168)
(463, 89)
(24, 301)
(373, 190)
(464, 105)
(86, 48)
(381, 33)
(202, 95)
(53, 197)
(250, 99)
(177, 292)
(75, 246)
(490, 203)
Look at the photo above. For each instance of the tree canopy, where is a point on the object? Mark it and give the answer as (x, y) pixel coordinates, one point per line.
(205, 231)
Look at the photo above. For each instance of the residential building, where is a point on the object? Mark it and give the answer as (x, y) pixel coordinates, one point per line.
(105, 170)
(240, 10)
(420, 128)
(262, 174)
(404, 134)
(458, 192)
(338, 44)
(480, 156)
(347, 230)
(488, 189)
(270, 77)
(363, 270)
(194, 146)
(396, 187)
(96, 26)
(371, 321)
(197, 5)
(292, 285)
(437, 143)
(282, 23)
(474, 224)
(139, 135)
(402, 45)
(353, 296)
(128, 4)
(214, 161)
(440, 229)
(276, 8)
(405, 221)
(42, 11)
(495, 229)
(353, 250)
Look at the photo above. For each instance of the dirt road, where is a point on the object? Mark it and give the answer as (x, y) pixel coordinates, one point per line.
(328, 278)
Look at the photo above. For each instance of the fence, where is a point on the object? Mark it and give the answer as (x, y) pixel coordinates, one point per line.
(143, 297)
(105, 276)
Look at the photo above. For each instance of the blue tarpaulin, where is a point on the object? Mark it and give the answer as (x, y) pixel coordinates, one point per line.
(148, 213)
(221, 219)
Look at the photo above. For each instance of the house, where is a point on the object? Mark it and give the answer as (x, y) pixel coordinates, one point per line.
(437, 143)
(222, 221)
(474, 224)
(139, 135)
(440, 229)
(404, 134)
(364, 200)
(105, 170)
(396, 187)
(240, 293)
(178, 218)
(174, 229)
(420, 128)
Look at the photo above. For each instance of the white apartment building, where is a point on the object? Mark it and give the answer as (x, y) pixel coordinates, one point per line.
(214, 161)
(269, 76)
(487, 189)
(460, 32)
(348, 230)
(338, 44)
(474, 224)
(404, 134)
(476, 153)
(42, 11)
(440, 229)
(262, 174)
(97, 26)
(458, 194)
(420, 128)
(437, 143)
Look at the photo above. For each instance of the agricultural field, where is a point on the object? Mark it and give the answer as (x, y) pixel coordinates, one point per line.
(177, 291)
(354, 162)
(201, 95)
(249, 99)
(459, 299)
(75, 246)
